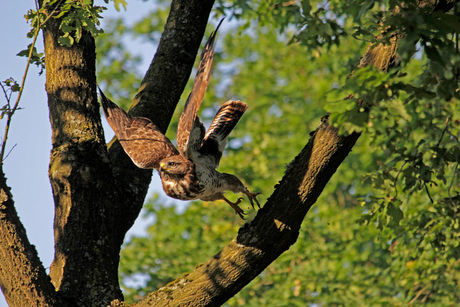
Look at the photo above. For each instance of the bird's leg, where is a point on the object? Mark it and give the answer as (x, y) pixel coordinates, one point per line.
(235, 206)
(252, 198)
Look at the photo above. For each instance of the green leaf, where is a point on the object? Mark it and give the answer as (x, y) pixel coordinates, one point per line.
(395, 212)
(15, 87)
(24, 53)
(120, 2)
(66, 41)
(433, 54)
(306, 7)
(340, 106)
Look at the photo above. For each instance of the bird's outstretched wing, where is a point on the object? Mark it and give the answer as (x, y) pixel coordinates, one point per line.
(140, 138)
(215, 140)
(190, 130)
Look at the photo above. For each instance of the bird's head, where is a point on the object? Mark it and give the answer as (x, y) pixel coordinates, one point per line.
(176, 165)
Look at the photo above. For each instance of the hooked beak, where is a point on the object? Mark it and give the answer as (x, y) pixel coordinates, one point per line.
(163, 167)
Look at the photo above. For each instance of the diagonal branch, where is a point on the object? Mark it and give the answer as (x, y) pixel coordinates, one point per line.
(23, 278)
(273, 231)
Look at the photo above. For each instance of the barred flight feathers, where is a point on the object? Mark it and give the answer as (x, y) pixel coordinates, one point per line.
(226, 118)
(188, 130)
(140, 138)
(189, 172)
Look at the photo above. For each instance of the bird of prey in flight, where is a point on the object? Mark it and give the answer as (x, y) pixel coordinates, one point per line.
(188, 172)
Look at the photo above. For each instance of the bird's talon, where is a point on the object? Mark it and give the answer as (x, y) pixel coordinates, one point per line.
(252, 198)
(241, 214)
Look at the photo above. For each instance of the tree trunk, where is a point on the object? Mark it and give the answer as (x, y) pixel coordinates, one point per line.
(95, 199)
(85, 265)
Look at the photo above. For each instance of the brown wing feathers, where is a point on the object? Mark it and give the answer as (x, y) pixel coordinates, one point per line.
(147, 146)
(187, 122)
(116, 117)
(139, 137)
(188, 173)
(226, 118)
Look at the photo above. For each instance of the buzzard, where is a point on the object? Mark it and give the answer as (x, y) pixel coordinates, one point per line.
(188, 172)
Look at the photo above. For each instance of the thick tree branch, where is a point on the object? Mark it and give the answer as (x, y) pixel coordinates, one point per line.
(23, 278)
(277, 224)
(272, 232)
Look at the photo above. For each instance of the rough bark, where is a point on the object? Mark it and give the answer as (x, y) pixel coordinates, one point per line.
(23, 278)
(85, 265)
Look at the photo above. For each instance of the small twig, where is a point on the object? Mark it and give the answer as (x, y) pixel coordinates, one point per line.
(10, 151)
(426, 297)
(51, 14)
(21, 89)
(452, 183)
(396, 179)
(443, 131)
(452, 264)
(428, 192)
(453, 136)
(6, 94)
(420, 292)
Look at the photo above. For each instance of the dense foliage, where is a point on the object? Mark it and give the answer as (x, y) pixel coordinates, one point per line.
(386, 229)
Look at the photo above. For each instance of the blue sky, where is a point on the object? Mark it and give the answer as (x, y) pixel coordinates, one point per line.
(26, 167)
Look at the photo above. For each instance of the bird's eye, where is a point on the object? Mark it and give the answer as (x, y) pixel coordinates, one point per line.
(172, 163)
